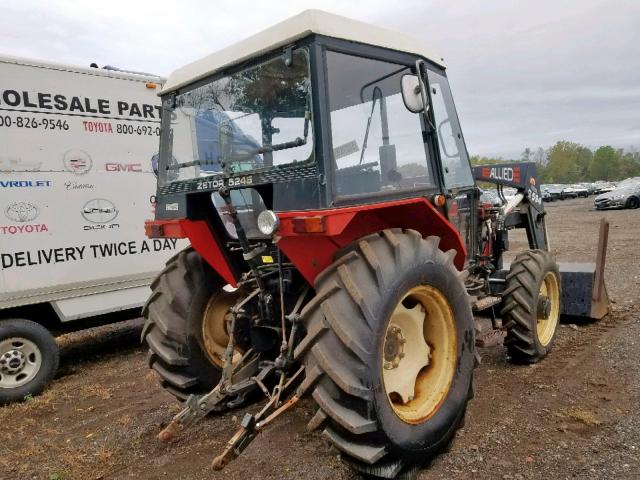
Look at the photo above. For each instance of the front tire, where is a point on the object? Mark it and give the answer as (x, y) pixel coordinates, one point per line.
(364, 301)
(531, 306)
(29, 359)
(633, 203)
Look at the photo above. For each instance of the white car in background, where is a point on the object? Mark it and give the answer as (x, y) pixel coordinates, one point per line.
(625, 195)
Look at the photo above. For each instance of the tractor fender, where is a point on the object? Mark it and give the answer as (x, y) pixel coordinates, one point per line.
(312, 252)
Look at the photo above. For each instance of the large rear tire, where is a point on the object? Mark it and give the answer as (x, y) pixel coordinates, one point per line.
(174, 330)
(531, 306)
(361, 326)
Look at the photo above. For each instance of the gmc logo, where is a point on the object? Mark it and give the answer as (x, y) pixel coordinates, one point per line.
(123, 167)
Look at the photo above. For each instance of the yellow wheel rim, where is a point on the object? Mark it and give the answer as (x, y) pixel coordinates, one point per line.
(419, 354)
(547, 315)
(214, 327)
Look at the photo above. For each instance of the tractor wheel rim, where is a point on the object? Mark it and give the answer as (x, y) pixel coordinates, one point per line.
(20, 362)
(419, 354)
(214, 327)
(546, 325)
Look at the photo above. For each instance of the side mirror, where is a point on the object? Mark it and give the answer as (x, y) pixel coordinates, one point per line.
(411, 96)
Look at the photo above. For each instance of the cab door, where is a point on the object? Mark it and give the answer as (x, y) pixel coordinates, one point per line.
(456, 169)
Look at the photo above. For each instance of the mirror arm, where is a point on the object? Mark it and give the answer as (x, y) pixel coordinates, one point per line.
(423, 94)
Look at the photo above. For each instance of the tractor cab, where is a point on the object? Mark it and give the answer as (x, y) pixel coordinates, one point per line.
(317, 113)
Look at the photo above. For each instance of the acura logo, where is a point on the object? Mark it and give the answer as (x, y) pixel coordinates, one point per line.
(99, 210)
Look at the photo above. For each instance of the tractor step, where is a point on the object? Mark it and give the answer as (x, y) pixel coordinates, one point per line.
(485, 302)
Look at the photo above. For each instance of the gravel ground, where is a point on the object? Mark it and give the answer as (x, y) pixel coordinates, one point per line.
(574, 415)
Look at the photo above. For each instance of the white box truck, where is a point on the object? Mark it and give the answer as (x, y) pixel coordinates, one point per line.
(78, 148)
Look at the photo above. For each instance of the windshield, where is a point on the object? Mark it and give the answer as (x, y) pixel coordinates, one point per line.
(257, 117)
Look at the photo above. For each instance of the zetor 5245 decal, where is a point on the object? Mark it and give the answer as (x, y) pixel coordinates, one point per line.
(76, 179)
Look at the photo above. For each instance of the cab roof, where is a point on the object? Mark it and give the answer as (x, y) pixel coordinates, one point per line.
(302, 25)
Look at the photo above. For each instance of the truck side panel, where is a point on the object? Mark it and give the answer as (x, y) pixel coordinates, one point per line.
(76, 178)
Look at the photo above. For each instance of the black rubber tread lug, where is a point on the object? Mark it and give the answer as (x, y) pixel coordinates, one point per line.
(366, 453)
(180, 381)
(343, 330)
(314, 332)
(311, 378)
(317, 421)
(341, 375)
(451, 256)
(146, 326)
(154, 296)
(354, 292)
(162, 320)
(372, 261)
(390, 236)
(347, 418)
(388, 469)
(165, 352)
(350, 256)
(523, 303)
(523, 337)
(327, 290)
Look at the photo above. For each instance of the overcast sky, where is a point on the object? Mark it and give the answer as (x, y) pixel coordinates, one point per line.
(523, 73)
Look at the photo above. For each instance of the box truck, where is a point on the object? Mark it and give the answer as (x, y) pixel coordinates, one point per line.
(78, 147)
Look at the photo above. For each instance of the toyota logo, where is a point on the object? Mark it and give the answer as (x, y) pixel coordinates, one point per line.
(21, 211)
(99, 210)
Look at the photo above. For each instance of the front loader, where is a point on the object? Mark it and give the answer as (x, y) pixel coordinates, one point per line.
(339, 245)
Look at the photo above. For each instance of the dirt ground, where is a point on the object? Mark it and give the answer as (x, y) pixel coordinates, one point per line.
(574, 415)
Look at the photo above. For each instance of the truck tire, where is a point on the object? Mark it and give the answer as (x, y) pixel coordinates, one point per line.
(531, 306)
(29, 359)
(368, 331)
(180, 350)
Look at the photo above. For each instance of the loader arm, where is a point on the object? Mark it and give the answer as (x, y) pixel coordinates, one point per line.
(525, 209)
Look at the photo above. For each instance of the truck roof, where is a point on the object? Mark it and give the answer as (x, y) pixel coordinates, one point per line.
(306, 23)
(101, 72)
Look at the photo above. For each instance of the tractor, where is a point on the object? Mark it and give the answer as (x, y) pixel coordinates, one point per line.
(339, 244)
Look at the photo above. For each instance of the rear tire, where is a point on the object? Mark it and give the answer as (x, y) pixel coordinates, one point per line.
(172, 331)
(530, 336)
(346, 347)
(29, 359)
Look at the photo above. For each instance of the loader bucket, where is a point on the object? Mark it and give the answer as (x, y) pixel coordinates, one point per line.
(584, 293)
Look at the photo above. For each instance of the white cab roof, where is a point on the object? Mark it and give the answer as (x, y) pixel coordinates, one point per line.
(290, 30)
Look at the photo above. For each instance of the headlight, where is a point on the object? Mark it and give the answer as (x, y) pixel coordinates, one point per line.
(268, 222)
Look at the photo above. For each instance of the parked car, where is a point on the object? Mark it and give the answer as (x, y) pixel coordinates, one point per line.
(580, 190)
(554, 192)
(603, 187)
(591, 187)
(625, 195)
(568, 192)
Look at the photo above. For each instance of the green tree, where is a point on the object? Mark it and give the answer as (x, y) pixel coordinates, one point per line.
(563, 166)
(605, 164)
(629, 164)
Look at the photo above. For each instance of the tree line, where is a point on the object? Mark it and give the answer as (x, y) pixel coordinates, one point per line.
(569, 162)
